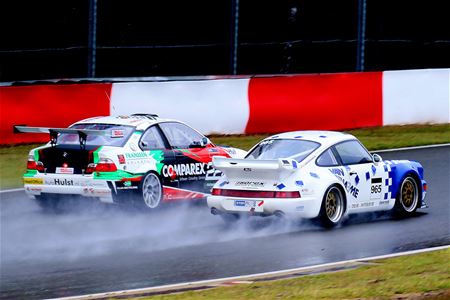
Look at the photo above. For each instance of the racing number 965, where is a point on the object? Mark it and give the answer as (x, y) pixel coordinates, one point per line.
(375, 189)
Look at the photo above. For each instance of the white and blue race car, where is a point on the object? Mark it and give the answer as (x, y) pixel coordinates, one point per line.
(315, 174)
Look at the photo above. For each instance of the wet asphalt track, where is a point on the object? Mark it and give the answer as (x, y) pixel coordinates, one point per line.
(105, 249)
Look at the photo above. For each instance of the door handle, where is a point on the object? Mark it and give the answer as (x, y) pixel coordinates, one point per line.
(352, 173)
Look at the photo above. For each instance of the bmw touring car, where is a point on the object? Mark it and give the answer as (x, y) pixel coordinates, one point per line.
(140, 159)
(315, 174)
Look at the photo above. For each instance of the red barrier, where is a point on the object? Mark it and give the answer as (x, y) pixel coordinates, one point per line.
(49, 105)
(323, 102)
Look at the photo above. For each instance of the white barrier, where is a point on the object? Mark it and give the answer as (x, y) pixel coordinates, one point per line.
(416, 96)
(210, 106)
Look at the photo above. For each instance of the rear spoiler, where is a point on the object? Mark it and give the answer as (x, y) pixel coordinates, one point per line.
(272, 169)
(82, 133)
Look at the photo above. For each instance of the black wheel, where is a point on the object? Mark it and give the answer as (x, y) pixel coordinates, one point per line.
(151, 191)
(407, 198)
(332, 208)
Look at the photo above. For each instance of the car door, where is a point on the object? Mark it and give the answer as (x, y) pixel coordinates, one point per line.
(192, 155)
(364, 179)
(153, 140)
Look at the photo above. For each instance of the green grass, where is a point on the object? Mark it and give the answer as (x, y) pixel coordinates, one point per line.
(375, 138)
(13, 158)
(390, 278)
(13, 162)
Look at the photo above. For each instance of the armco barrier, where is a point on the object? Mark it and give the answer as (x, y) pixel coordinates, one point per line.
(334, 101)
(240, 105)
(49, 105)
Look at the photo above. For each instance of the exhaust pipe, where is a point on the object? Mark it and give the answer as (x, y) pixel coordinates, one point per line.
(215, 211)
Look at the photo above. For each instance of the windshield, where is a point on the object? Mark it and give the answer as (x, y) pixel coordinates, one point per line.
(274, 149)
(115, 135)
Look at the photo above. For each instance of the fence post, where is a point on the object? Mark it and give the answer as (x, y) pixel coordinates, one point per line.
(361, 35)
(92, 38)
(234, 35)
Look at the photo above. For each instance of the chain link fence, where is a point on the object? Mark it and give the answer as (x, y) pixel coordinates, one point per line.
(118, 38)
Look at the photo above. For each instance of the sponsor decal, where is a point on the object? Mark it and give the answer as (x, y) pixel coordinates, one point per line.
(63, 181)
(300, 208)
(363, 204)
(384, 202)
(247, 169)
(250, 183)
(184, 170)
(314, 175)
(212, 174)
(64, 170)
(33, 180)
(245, 203)
(223, 183)
(121, 158)
(281, 186)
(229, 150)
(136, 155)
(351, 189)
(117, 133)
(337, 172)
(299, 183)
(127, 187)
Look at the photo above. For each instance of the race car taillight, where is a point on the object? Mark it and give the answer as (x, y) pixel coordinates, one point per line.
(104, 165)
(35, 165)
(255, 194)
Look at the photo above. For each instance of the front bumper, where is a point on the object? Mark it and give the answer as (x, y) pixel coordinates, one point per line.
(305, 207)
(83, 185)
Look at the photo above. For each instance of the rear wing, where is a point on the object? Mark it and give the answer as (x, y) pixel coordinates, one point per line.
(273, 169)
(82, 133)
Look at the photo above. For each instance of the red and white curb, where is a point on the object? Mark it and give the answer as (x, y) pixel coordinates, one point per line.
(246, 279)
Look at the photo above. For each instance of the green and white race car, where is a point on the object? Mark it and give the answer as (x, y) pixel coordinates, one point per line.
(139, 159)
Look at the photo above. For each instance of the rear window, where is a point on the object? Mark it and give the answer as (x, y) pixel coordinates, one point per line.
(279, 148)
(115, 135)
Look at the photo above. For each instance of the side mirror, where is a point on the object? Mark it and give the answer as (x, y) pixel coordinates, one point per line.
(144, 144)
(199, 144)
(377, 158)
(204, 142)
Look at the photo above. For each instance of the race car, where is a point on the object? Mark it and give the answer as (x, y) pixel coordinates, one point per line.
(322, 175)
(139, 159)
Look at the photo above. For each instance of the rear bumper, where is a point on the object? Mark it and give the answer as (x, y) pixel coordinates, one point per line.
(83, 185)
(305, 207)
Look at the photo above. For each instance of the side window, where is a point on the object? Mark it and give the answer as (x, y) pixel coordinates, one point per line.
(351, 152)
(179, 135)
(151, 139)
(327, 159)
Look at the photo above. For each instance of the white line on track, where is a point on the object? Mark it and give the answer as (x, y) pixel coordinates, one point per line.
(11, 191)
(375, 151)
(412, 148)
(213, 282)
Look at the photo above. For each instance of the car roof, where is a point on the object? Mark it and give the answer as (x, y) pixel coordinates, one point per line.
(141, 121)
(326, 138)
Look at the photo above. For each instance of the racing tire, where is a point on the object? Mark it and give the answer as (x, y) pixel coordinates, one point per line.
(151, 191)
(408, 197)
(333, 207)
